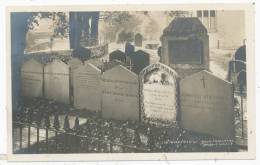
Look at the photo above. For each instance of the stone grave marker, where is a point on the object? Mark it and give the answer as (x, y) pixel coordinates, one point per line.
(56, 81)
(206, 105)
(240, 59)
(241, 78)
(185, 46)
(139, 60)
(117, 55)
(240, 53)
(129, 48)
(138, 40)
(82, 53)
(120, 97)
(159, 94)
(32, 78)
(73, 63)
(87, 89)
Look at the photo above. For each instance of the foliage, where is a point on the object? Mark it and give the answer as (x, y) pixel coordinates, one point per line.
(177, 13)
(60, 22)
(116, 22)
(151, 28)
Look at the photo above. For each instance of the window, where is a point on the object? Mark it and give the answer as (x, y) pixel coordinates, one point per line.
(205, 13)
(212, 13)
(199, 13)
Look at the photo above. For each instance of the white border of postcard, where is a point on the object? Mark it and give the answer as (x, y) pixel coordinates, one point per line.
(250, 154)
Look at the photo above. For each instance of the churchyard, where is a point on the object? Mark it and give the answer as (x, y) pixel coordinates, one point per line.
(131, 97)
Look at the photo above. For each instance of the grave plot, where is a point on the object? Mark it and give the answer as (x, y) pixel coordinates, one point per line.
(87, 88)
(206, 105)
(32, 78)
(120, 97)
(56, 81)
(159, 94)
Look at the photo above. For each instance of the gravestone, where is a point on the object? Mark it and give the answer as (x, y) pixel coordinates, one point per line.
(125, 37)
(129, 48)
(139, 60)
(56, 81)
(241, 78)
(32, 78)
(159, 94)
(73, 63)
(240, 59)
(185, 46)
(111, 64)
(138, 40)
(87, 89)
(240, 53)
(206, 105)
(117, 55)
(82, 53)
(120, 97)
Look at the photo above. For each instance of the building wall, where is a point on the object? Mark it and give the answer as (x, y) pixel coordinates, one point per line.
(226, 28)
(231, 28)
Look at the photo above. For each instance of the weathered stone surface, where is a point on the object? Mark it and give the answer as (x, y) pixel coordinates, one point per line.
(138, 40)
(32, 78)
(140, 60)
(87, 89)
(185, 46)
(117, 55)
(159, 94)
(56, 81)
(120, 97)
(206, 105)
(129, 48)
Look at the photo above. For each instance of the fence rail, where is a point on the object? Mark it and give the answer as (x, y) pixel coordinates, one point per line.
(42, 135)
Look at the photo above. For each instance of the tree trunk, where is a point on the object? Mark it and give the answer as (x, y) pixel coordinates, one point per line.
(80, 29)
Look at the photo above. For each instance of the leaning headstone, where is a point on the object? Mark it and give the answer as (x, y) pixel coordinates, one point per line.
(117, 55)
(129, 48)
(120, 98)
(139, 60)
(87, 89)
(159, 94)
(206, 105)
(32, 78)
(138, 40)
(56, 81)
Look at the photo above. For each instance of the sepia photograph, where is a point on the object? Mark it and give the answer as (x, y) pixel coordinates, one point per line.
(113, 81)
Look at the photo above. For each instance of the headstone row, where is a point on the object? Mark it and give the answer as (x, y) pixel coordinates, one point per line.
(201, 102)
(136, 60)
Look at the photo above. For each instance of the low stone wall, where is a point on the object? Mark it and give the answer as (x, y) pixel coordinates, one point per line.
(65, 55)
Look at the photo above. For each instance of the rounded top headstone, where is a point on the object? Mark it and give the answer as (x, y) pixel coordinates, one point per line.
(240, 53)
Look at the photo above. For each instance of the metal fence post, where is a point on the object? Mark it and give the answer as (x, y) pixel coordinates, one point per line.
(29, 121)
(76, 139)
(38, 123)
(56, 125)
(66, 128)
(47, 126)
